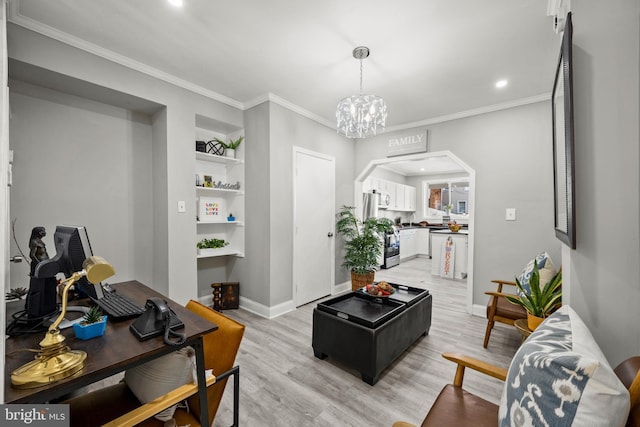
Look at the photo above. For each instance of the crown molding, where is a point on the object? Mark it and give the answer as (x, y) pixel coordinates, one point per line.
(289, 106)
(16, 18)
(473, 112)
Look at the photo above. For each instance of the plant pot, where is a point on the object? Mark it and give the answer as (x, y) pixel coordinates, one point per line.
(360, 280)
(230, 152)
(85, 332)
(533, 321)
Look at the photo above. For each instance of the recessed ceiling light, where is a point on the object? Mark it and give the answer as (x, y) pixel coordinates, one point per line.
(501, 83)
(176, 3)
(421, 169)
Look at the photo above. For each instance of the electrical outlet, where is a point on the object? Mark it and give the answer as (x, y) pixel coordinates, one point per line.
(182, 207)
(511, 214)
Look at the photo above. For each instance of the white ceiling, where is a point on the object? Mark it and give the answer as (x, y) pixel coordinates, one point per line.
(430, 59)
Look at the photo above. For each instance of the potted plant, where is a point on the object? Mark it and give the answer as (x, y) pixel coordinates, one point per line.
(363, 245)
(230, 147)
(15, 293)
(538, 302)
(93, 324)
(209, 246)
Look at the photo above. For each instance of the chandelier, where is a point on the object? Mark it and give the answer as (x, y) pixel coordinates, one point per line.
(359, 116)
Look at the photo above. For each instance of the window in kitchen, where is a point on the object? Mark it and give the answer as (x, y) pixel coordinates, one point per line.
(442, 194)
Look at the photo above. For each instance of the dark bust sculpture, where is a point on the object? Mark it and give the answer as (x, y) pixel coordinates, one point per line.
(37, 248)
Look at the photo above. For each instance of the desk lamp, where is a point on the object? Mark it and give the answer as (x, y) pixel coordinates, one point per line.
(56, 361)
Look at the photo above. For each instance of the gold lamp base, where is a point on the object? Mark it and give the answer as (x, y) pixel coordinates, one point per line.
(54, 362)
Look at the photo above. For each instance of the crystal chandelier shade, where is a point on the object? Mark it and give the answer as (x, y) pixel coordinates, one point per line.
(359, 116)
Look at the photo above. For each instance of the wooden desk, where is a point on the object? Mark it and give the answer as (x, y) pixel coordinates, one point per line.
(110, 354)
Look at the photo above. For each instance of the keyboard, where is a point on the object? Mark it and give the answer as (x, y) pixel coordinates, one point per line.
(118, 307)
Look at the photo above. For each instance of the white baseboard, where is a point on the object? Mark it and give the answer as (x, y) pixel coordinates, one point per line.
(479, 310)
(256, 308)
(265, 311)
(341, 288)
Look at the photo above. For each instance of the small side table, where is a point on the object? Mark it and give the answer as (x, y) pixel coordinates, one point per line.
(523, 327)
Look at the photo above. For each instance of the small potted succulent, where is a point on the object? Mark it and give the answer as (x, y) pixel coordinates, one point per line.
(209, 246)
(93, 324)
(230, 147)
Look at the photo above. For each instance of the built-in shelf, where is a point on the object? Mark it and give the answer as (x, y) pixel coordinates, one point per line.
(222, 252)
(218, 190)
(220, 222)
(229, 161)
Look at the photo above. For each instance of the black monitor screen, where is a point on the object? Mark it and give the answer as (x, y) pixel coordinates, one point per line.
(72, 248)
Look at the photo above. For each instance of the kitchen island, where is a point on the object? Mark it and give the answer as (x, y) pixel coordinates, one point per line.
(459, 252)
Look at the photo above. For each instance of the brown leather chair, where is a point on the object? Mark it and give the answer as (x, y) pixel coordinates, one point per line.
(457, 407)
(118, 406)
(499, 309)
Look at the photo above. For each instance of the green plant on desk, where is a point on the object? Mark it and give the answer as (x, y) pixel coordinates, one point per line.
(94, 315)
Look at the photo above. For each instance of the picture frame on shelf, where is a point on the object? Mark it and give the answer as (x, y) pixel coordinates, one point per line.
(207, 181)
(211, 209)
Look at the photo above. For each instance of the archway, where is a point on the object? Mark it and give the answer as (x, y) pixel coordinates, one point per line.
(390, 161)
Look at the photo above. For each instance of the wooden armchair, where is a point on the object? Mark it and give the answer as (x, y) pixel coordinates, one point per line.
(456, 407)
(499, 309)
(118, 406)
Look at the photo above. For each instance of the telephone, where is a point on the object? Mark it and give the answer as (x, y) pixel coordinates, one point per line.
(158, 319)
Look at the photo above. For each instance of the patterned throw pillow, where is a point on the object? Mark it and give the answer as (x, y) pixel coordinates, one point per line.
(559, 377)
(545, 267)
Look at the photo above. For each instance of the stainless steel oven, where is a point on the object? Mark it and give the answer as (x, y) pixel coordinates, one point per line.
(391, 256)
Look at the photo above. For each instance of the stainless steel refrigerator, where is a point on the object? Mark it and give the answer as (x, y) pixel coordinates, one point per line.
(370, 205)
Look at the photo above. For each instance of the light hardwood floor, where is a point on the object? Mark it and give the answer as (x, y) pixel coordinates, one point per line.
(283, 384)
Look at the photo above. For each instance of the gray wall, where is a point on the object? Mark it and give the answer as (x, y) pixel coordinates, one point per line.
(268, 278)
(511, 153)
(65, 149)
(604, 268)
(173, 150)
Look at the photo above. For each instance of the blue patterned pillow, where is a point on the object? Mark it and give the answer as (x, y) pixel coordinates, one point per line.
(559, 377)
(545, 267)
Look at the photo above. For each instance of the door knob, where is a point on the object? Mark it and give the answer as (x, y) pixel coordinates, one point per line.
(16, 258)
(329, 234)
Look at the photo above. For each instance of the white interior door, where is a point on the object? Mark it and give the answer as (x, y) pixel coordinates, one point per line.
(313, 246)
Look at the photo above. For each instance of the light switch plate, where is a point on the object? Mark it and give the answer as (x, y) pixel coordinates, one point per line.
(182, 207)
(511, 214)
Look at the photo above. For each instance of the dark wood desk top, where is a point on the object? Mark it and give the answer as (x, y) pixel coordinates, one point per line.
(114, 352)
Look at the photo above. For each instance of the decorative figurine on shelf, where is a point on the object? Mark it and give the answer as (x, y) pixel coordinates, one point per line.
(37, 248)
(231, 218)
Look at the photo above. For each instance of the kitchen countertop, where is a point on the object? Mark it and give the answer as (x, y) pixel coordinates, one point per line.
(447, 231)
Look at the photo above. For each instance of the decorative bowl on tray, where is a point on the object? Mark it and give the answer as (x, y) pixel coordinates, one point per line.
(379, 290)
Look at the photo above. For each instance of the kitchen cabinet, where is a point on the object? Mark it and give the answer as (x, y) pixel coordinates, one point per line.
(410, 198)
(408, 244)
(460, 246)
(422, 241)
(401, 197)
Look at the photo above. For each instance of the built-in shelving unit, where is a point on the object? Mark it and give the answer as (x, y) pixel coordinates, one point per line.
(221, 170)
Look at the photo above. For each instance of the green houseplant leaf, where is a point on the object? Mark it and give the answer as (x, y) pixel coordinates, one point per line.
(362, 242)
(539, 302)
(231, 145)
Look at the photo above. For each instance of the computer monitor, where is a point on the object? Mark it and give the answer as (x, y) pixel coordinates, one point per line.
(72, 248)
